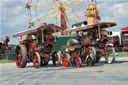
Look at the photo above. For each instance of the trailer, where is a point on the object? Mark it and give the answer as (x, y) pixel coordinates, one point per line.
(120, 39)
(124, 35)
(115, 38)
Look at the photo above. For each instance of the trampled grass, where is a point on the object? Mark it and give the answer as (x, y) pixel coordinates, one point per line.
(122, 54)
(6, 61)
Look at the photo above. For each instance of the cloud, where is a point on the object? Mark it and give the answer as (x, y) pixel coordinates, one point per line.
(114, 11)
(13, 16)
(18, 10)
(119, 10)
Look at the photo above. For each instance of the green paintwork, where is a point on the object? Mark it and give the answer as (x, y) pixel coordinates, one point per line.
(10, 52)
(61, 41)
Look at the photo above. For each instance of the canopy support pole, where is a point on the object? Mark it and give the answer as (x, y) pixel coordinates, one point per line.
(99, 30)
(109, 29)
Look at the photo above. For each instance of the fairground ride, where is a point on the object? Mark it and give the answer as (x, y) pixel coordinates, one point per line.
(58, 12)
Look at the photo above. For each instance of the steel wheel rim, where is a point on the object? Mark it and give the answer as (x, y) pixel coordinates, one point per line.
(35, 61)
(57, 58)
(110, 56)
(56, 61)
(78, 62)
(18, 57)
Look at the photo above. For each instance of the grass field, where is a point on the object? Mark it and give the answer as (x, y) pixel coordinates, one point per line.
(122, 54)
(6, 61)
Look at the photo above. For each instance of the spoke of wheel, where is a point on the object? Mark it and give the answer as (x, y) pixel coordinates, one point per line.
(63, 2)
(66, 20)
(28, 15)
(37, 6)
(76, 15)
(72, 3)
(36, 59)
(36, 10)
(55, 18)
(78, 4)
(30, 1)
(19, 58)
(66, 2)
(44, 17)
(74, 9)
(53, 2)
(48, 2)
(27, 1)
(72, 16)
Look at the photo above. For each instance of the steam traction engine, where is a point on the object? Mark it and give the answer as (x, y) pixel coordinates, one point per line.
(102, 43)
(89, 44)
(4, 46)
(37, 46)
(79, 49)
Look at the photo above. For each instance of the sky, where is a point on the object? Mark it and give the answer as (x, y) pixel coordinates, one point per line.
(13, 15)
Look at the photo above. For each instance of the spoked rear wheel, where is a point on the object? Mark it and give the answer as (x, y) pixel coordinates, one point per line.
(110, 55)
(21, 56)
(36, 60)
(65, 59)
(57, 59)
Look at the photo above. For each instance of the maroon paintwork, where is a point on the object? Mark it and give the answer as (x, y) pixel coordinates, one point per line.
(124, 33)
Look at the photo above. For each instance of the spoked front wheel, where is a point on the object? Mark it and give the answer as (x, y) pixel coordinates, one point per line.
(66, 59)
(57, 58)
(78, 62)
(110, 55)
(36, 60)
